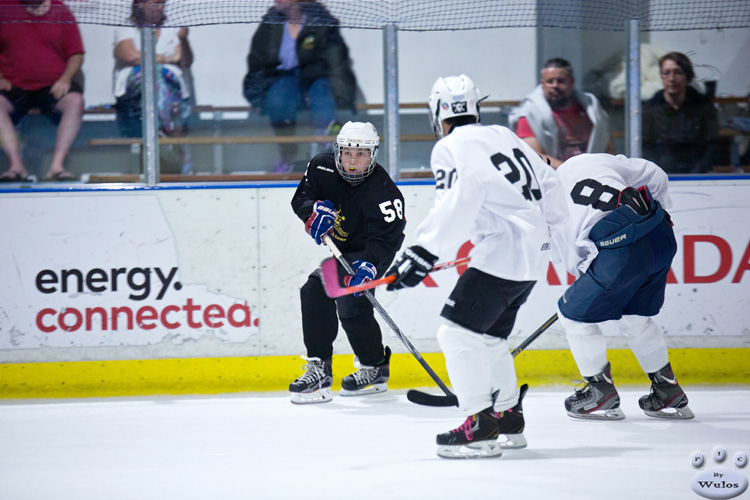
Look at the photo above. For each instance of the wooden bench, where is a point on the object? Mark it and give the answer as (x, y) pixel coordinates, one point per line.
(133, 178)
(208, 140)
(218, 140)
(213, 140)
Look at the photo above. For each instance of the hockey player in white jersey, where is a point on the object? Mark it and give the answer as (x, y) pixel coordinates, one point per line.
(619, 244)
(493, 188)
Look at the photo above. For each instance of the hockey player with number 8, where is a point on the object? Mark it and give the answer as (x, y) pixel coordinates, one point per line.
(493, 188)
(350, 197)
(619, 244)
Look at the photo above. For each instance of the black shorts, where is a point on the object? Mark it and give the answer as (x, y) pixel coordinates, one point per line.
(486, 304)
(24, 100)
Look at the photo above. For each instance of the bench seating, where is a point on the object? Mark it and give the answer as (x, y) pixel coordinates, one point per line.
(132, 178)
(213, 140)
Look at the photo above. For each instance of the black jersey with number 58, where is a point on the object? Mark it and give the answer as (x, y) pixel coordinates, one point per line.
(371, 220)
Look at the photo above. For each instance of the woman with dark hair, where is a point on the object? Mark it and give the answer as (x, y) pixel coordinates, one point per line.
(174, 57)
(147, 13)
(679, 123)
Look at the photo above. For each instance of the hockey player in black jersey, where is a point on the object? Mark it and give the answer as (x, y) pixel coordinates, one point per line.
(350, 197)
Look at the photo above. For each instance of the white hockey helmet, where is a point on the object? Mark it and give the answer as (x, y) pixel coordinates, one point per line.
(450, 97)
(356, 135)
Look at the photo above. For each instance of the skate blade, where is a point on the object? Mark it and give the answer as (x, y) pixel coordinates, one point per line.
(507, 442)
(512, 441)
(683, 413)
(319, 396)
(481, 449)
(370, 389)
(611, 414)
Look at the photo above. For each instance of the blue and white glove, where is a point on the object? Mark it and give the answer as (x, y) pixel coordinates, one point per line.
(411, 268)
(363, 272)
(321, 221)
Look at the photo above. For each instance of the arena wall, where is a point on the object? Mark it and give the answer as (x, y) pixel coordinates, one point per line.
(194, 289)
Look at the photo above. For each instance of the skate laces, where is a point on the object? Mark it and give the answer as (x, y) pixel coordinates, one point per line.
(314, 370)
(654, 400)
(467, 428)
(584, 393)
(365, 375)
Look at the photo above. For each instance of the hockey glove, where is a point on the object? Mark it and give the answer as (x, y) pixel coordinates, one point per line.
(363, 272)
(637, 200)
(321, 221)
(411, 268)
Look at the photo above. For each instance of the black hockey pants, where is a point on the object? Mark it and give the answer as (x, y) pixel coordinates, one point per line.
(320, 323)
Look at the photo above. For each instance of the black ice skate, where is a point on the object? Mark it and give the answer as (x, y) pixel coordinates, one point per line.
(367, 379)
(511, 424)
(315, 385)
(666, 400)
(476, 438)
(598, 400)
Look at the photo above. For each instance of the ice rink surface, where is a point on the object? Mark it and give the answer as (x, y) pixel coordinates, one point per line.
(260, 446)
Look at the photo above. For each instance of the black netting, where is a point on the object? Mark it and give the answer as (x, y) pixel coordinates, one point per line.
(654, 15)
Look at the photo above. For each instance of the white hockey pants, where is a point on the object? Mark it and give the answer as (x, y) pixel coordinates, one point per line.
(478, 366)
(589, 346)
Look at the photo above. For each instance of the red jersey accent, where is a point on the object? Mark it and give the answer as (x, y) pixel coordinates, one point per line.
(575, 130)
(523, 130)
(34, 50)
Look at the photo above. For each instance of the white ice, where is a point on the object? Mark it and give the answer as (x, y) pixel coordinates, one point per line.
(260, 446)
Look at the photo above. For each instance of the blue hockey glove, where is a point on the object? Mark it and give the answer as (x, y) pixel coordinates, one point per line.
(411, 268)
(321, 221)
(363, 272)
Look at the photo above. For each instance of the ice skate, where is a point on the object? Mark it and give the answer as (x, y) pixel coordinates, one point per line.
(511, 424)
(666, 400)
(598, 400)
(476, 438)
(367, 379)
(314, 386)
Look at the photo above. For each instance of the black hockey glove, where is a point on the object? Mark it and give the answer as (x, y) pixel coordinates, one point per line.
(411, 268)
(638, 200)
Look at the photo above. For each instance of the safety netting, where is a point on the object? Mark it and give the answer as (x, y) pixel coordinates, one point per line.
(432, 15)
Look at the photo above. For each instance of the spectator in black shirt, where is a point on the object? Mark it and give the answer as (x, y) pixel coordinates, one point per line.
(298, 59)
(679, 123)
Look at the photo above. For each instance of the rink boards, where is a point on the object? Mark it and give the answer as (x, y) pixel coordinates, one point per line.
(194, 289)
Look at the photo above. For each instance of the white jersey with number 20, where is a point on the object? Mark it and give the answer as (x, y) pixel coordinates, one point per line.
(592, 184)
(492, 188)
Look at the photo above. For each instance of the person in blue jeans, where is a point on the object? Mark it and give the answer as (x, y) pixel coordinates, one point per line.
(297, 60)
(619, 243)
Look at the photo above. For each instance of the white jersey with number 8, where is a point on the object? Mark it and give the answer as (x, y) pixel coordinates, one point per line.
(592, 184)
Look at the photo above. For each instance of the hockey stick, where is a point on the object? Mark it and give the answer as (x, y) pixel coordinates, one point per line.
(423, 398)
(340, 257)
(330, 277)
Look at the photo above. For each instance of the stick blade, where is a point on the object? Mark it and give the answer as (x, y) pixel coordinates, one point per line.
(329, 275)
(424, 399)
